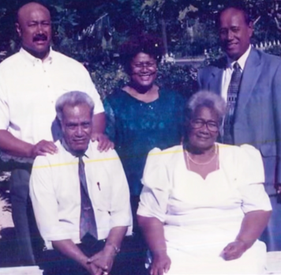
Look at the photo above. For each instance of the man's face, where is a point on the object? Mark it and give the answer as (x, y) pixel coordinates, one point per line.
(77, 127)
(234, 33)
(34, 29)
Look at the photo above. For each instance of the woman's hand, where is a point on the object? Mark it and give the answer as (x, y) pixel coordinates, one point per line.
(234, 250)
(252, 226)
(161, 264)
(153, 231)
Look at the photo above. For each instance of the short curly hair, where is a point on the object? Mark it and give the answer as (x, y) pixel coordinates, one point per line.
(206, 99)
(144, 43)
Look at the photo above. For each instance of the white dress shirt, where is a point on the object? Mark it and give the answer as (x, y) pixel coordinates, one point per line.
(227, 73)
(29, 89)
(55, 193)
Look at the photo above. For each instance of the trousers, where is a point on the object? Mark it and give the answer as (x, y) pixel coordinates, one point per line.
(23, 217)
(55, 263)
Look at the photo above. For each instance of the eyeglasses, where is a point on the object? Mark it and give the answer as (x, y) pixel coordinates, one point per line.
(141, 65)
(199, 123)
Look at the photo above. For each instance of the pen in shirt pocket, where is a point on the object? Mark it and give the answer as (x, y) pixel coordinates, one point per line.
(98, 184)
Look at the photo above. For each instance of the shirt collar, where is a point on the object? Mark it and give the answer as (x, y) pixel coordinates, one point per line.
(65, 146)
(241, 61)
(34, 60)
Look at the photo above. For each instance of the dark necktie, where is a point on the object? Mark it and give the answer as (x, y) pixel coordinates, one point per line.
(87, 216)
(232, 97)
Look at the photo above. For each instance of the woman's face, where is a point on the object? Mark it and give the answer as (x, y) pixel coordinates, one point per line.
(143, 70)
(203, 128)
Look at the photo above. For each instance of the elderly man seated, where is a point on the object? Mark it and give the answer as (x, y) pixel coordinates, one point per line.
(80, 197)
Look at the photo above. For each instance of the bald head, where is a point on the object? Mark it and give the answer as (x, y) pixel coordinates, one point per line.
(34, 28)
(30, 7)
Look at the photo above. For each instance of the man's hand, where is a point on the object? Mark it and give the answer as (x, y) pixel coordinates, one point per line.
(104, 143)
(101, 263)
(278, 192)
(42, 148)
(161, 264)
(234, 250)
(278, 188)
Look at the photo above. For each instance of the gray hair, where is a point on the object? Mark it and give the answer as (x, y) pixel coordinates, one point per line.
(73, 98)
(206, 99)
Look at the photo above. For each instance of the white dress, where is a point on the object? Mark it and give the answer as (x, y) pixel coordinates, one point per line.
(201, 216)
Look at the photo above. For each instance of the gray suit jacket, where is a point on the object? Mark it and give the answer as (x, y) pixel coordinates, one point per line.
(258, 112)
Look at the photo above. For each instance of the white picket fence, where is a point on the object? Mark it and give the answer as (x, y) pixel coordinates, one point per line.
(170, 58)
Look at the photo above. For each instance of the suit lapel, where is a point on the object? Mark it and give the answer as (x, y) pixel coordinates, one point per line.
(250, 76)
(215, 80)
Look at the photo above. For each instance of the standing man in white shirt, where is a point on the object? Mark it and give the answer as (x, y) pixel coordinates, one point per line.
(250, 81)
(56, 189)
(30, 82)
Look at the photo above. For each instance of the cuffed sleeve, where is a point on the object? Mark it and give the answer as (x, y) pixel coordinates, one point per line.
(4, 108)
(44, 202)
(155, 193)
(251, 179)
(120, 200)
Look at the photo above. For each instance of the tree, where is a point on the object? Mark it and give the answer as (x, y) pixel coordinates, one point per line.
(92, 31)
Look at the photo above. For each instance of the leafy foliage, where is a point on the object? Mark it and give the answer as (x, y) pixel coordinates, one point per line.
(92, 31)
(178, 78)
(108, 77)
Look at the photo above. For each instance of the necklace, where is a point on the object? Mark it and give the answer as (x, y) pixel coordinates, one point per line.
(203, 163)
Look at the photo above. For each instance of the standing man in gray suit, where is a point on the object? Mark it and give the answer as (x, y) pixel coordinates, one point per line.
(250, 82)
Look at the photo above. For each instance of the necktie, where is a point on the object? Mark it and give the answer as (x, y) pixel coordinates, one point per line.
(232, 97)
(87, 216)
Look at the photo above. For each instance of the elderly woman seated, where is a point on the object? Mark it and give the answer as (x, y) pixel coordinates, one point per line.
(203, 205)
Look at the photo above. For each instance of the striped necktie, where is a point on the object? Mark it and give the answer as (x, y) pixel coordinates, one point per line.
(232, 98)
(87, 215)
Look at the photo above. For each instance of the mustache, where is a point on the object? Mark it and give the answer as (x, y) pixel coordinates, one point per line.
(39, 37)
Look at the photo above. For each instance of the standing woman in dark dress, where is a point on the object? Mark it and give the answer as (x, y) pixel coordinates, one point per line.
(142, 115)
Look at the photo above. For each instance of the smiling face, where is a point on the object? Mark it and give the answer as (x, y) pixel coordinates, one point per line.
(234, 33)
(76, 126)
(203, 138)
(143, 70)
(34, 29)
